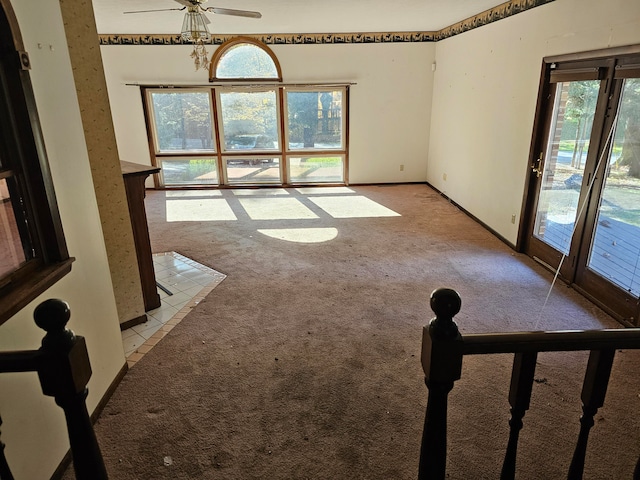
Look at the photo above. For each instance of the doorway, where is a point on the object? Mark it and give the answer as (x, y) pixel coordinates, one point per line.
(583, 208)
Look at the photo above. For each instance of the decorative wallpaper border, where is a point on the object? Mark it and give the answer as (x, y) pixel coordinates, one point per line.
(492, 15)
(275, 39)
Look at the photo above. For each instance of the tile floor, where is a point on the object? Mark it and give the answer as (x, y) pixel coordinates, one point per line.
(189, 282)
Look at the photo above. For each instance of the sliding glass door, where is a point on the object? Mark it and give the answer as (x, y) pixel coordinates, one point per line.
(560, 167)
(611, 261)
(584, 204)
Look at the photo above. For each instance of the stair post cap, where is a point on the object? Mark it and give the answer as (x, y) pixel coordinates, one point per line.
(52, 315)
(445, 302)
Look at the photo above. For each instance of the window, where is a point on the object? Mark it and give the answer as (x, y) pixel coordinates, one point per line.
(249, 120)
(182, 121)
(183, 136)
(316, 169)
(189, 171)
(240, 133)
(315, 119)
(315, 123)
(244, 58)
(15, 249)
(33, 252)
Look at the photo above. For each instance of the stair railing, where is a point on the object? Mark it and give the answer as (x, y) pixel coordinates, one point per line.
(62, 364)
(443, 348)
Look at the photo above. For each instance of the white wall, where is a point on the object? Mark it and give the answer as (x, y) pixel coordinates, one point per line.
(33, 426)
(485, 93)
(390, 105)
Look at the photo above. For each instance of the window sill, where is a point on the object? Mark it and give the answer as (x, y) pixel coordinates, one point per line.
(25, 292)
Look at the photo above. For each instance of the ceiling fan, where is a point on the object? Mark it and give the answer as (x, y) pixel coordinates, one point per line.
(194, 26)
(196, 6)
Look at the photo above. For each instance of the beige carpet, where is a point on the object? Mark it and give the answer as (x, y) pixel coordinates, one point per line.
(304, 361)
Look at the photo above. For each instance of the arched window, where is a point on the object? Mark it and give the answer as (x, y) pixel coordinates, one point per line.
(249, 127)
(243, 58)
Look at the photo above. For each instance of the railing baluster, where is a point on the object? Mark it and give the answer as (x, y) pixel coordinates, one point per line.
(594, 389)
(442, 365)
(524, 367)
(5, 471)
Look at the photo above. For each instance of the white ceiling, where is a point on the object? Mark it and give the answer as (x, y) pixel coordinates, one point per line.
(293, 16)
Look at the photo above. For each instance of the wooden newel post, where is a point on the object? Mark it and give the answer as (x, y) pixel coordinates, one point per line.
(64, 371)
(442, 365)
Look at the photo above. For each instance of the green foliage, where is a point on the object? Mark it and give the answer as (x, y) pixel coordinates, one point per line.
(576, 119)
(325, 161)
(246, 61)
(579, 108)
(582, 99)
(249, 113)
(303, 117)
(197, 167)
(628, 128)
(309, 117)
(192, 171)
(183, 120)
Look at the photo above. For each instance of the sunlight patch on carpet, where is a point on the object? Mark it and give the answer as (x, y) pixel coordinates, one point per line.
(352, 207)
(199, 210)
(276, 209)
(323, 190)
(192, 193)
(301, 235)
(262, 192)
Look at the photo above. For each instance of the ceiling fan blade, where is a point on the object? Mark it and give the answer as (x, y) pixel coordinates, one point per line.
(236, 13)
(157, 10)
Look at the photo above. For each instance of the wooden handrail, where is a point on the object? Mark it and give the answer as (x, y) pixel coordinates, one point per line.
(443, 349)
(62, 364)
(20, 361)
(553, 341)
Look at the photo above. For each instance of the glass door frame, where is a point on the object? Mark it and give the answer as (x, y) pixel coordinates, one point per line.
(536, 248)
(623, 304)
(573, 267)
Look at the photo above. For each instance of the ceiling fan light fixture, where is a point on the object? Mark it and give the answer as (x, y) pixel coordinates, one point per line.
(194, 27)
